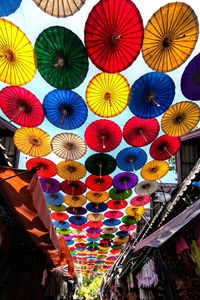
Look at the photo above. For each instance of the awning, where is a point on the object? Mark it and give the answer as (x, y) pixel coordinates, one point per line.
(164, 233)
(23, 194)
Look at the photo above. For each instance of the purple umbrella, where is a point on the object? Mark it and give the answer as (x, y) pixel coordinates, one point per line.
(190, 80)
(125, 181)
(50, 185)
(78, 211)
(93, 230)
(68, 237)
(92, 249)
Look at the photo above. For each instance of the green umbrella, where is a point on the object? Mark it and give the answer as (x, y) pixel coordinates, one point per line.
(119, 194)
(57, 207)
(107, 236)
(115, 247)
(61, 57)
(101, 256)
(100, 164)
(63, 231)
(129, 220)
(93, 244)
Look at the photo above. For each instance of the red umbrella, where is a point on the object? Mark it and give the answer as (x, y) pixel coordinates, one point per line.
(117, 204)
(21, 106)
(46, 168)
(139, 132)
(164, 147)
(126, 227)
(103, 135)
(75, 226)
(59, 216)
(73, 187)
(94, 224)
(93, 235)
(80, 245)
(98, 184)
(117, 251)
(113, 34)
(113, 214)
(140, 200)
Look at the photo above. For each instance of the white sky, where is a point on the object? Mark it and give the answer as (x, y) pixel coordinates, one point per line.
(33, 21)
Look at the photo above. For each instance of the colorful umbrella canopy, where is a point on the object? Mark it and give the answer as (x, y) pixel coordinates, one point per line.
(140, 200)
(96, 183)
(57, 207)
(108, 95)
(111, 222)
(61, 224)
(76, 210)
(18, 64)
(77, 220)
(93, 230)
(107, 236)
(135, 211)
(59, 8)
(21, 106)
(71, 170)
(8, 7)
(131, 159)
(154, 170)
(180, 118)
(146, 187)
(113, 34)
(45, 167)
(190, 84)
(59, 216)
(32, 141)
(75, 201)
(109, 230)
(122, 233)
(97, 197)
(113, 214)
(170, 36)
(117, 194)
(96, 207)
(164, 147)
(94, 224)
(129, 220)
(100, 164)
(125, 181)
(93, 235)
(103, 135)
(54, 198)
(140, 132)
(127, 227)
(61, 57)
(73, 187)
(151, 95)
(65, 109)
(50, 185)
(95, 217)
(68, 146)
(117, 204)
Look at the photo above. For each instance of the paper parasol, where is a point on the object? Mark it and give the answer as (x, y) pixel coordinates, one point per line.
(131, 159)
(50, 185)
(75, 201)
(125, 181)
(96, 183)
(140, 200)
(100, 164)
(73, 187)
(154, 170)
(164, 147)
(146, 187)
(71, 170)
(45, 167)
(97, 197)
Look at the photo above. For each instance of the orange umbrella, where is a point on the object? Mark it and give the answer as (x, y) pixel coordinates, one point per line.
(95, 217)
(32, 141)
(97, 197)
(154, 170)
(71, 170)
(75, 201)
(180, 118)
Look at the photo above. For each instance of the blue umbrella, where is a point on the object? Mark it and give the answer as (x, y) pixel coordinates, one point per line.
(111, 222)
(131, 159)
(93, 240)
(151, 95)
(122, 234)
(8, 7)
(78, 220)
(96, 207)
(62, 225)
(69, 243)
(54, 198)
(65, 109)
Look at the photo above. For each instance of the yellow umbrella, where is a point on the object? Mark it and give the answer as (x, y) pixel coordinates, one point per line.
(59, 8)
(135, 211)
(95, 217)
(107, 95)
(32, 141)
(17, 57)
(71, 170)
(75, 201)
(97, 197)
(121, 240)
(180, 118)
(154, 170)
(68, 146)
(170, 36)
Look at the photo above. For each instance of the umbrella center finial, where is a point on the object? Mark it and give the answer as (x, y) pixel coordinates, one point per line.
(154, 169)
(54, 196)
(60, 62)
(107, 96)
(166, 42)
(71, 169)
(130, 158)
(69, 146)
(34, 141)
(115, 38)
(179, 119)
(24, 107)
(10, 55)
(145, 186)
